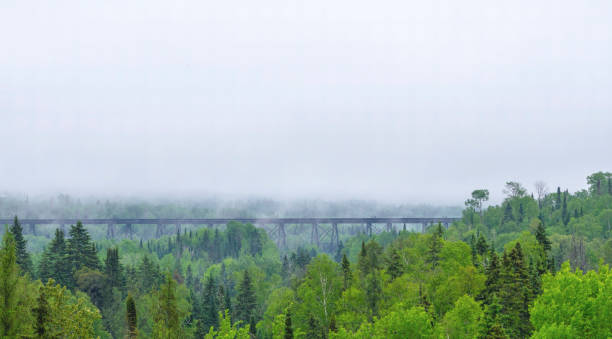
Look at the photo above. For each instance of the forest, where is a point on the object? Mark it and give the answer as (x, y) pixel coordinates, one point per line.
(534, 266)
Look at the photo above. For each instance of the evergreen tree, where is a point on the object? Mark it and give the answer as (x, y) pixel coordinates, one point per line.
(558, 198)
(521, 213)
(131, 318)
(362, 261)
(394, 265)
(41, 315)
(23, 258)
(346, 272)
(545, 247)
(492, 282)
(81, 251)
(435, 247)
(481, 245)
(9, 280)
(515, 296)
(373, 294)
(508, 216)
(288, 326)
(245, 301)
(491, 327)
(564, 213)
(209, 304)
(114, 270)
(55, 262)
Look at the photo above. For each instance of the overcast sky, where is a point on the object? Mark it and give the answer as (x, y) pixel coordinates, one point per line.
(416, 101)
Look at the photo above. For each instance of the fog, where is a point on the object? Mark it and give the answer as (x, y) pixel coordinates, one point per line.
(418, 102)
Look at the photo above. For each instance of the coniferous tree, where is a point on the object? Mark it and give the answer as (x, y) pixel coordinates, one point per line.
(114, 270)
(209, 304)
(362, 261)
(521, 213)
(245, 301)
(131, 318)
(346, 272)
(508, 216)
(55, 262)
(41, 314)
(491, 327)
(558, 198)
(492, 282)
(332, 324)
(545, 247)
(23, 258)
(81, 251)
(481, 245)
(515, 296)
(394, 265)
(435, 247)
(564, 213)
(288, 326)
(9, 280)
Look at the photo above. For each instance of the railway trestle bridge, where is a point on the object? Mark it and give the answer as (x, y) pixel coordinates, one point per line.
(321, 229)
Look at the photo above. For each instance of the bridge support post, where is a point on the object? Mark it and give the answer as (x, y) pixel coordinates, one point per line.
(129, 230)
(282, 236)
(178, 228)
(314, 234)
(159, 231)
(33, 229)
(335, 241)
(423, 226)
(110, 230)
(389, 227)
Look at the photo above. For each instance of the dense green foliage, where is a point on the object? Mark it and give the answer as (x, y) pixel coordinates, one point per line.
(514, 270)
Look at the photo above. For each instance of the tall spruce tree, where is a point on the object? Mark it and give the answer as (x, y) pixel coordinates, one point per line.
(23, 258)
(288, 326)
(210, 317)
(41, 315)
(394, 264)
(435, 247)
(565, 217)
(81, 250)
(347, 275)
(114, 270)
(131, 318)
(245, 301)
(55, 263)
(492, 282)
(515, 296)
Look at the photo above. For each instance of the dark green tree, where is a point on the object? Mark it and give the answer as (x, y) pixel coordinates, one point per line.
(508, 215)
(394, 264)
(41, 315)
(481, 245)
(131, 318)
(81, 250)
(346, 272)
(558, 198)
(210, 316)
(565, 217)
(23, 258)
(492, 282)
(114, 270)
(55, 263)
(245, 301)
(435, 247)
(288, 326)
